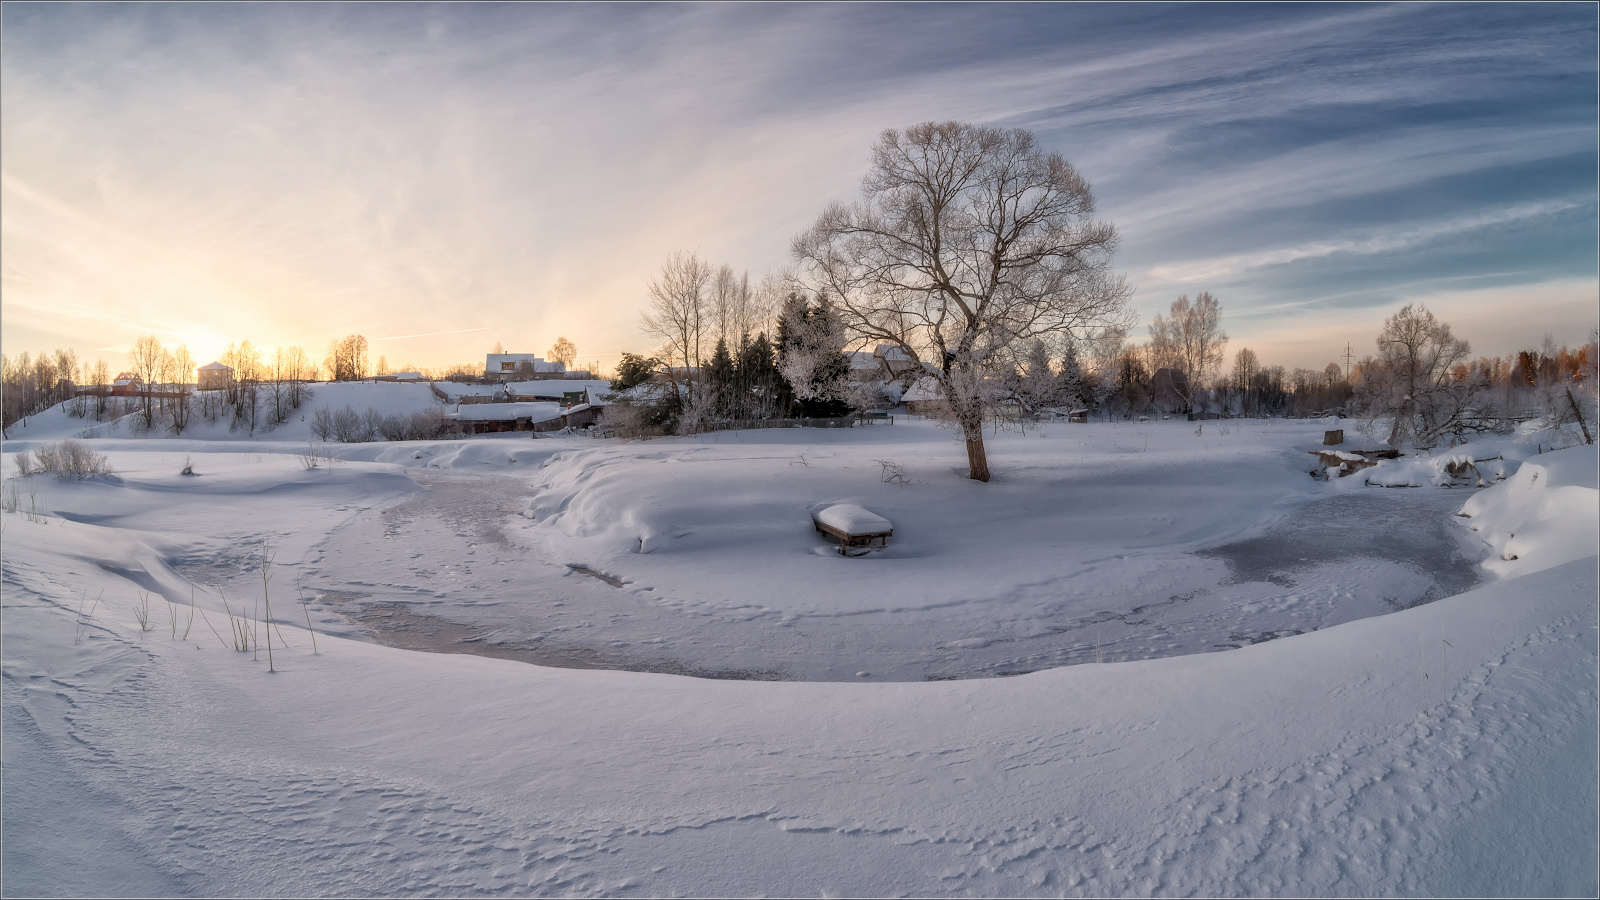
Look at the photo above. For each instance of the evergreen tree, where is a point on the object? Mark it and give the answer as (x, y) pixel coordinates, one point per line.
(721, 383)
(634, 370)
(767, 394)
(1075, 389)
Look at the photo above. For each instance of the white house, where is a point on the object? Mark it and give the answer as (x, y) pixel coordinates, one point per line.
(505, 365)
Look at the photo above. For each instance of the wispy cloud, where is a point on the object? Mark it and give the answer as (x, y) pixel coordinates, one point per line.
(288, 175)
(1230, 268)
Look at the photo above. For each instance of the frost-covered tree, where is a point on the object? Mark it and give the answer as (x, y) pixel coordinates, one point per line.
(1031, 384)
(811, 356)
(967, 241)
(1418, 380)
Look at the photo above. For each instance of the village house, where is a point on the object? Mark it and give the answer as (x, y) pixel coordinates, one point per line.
(126, 384)
(924, 398)
(214, 376)
(507, 366)
(895, 361)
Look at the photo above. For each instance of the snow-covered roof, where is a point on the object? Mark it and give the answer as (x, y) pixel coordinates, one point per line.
(891, 352)
(215, 367)
(851, 518)
(505, 412)
(924, 388)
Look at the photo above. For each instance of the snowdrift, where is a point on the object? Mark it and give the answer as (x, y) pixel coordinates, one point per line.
(1545, 515)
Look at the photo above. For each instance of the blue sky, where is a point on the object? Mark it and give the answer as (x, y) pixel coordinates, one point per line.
(511, 173)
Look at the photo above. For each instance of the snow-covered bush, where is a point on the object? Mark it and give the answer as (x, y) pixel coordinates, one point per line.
(322, 423)
(417, 426)
(350, 427)
(67, 459)
(347, 426)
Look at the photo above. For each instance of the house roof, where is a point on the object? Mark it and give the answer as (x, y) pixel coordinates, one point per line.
(215, 366)
(924, 389)
(493, 412)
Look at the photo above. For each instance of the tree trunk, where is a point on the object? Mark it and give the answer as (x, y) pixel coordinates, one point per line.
(977, 460)
(1578, 414)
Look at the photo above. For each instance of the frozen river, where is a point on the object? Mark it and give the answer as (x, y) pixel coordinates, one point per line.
(1330, 560)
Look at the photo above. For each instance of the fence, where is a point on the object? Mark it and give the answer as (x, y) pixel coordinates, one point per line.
(742, 424)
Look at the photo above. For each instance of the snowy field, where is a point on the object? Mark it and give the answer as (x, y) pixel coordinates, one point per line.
(1230, 678)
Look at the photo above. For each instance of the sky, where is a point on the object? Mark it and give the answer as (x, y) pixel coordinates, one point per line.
(445, 178)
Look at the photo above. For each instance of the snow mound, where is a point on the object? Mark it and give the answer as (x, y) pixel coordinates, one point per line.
(851, 518)
(1445, 470)
(1547, 514)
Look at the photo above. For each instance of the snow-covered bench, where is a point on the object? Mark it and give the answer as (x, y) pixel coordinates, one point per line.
(853, 526)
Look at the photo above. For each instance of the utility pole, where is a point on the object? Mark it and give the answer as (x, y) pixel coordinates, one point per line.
(1347, 356)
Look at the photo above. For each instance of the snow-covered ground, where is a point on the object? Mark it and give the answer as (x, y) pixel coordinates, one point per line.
(1383, 744)
(385, 398)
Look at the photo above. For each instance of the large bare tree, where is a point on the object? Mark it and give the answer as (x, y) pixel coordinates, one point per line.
(563, 351)
(146, 357)
(680, 316)
(966, 241)
(347, 358)
(1190, 341)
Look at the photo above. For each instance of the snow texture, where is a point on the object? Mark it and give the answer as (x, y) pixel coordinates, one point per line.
(1446, 748)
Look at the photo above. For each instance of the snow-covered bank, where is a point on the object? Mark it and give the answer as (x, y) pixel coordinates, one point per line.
(1446, 749)
(1369, 758)
(384, 398)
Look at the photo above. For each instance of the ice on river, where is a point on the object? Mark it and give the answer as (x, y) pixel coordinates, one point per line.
(705, 560)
